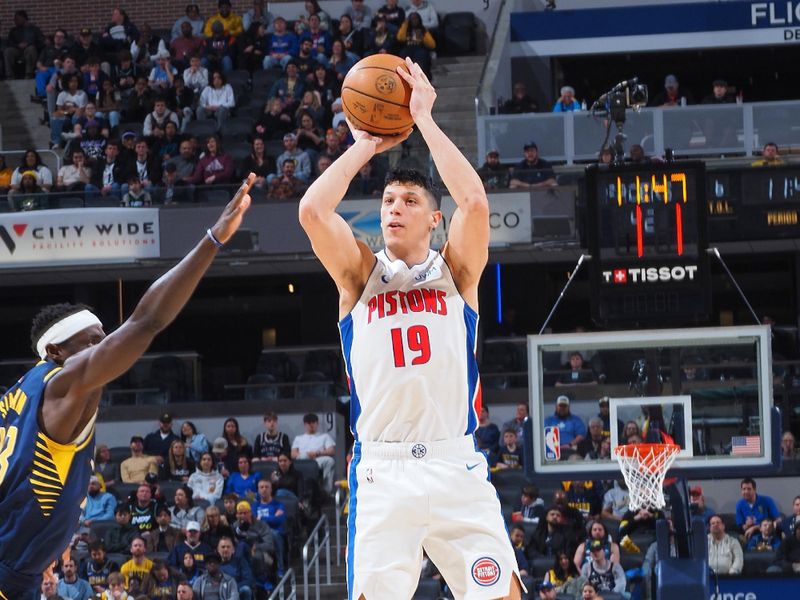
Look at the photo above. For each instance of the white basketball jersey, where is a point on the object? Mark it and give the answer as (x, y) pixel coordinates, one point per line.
(409, 349)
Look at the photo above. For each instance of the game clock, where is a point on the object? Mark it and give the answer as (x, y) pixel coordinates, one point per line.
(647, 238)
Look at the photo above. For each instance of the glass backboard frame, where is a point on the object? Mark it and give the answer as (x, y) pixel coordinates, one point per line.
(768, 461)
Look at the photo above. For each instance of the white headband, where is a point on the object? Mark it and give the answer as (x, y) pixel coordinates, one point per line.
(64, 329)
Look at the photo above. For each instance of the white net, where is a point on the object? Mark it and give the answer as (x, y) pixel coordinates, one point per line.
(644, 467)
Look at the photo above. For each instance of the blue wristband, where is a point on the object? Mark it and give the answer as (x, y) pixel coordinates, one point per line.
(213, 238)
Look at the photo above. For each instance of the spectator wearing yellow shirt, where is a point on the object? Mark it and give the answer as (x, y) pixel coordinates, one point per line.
(139, 565)
(769, 157)
(230, 21)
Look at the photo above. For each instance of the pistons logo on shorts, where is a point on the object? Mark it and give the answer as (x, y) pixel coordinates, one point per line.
(485, 571)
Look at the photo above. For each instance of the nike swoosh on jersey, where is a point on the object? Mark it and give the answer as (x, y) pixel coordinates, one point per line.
(469, 468)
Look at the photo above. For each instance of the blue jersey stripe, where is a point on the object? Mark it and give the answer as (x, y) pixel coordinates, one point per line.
(351, 518)
(471, 323)
(346, 334)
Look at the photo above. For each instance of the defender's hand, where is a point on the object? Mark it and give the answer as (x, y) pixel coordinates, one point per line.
(231, 217)
(423, 95)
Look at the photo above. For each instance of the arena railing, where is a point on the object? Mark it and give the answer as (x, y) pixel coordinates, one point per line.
(497, 65)
(699, 130)
(287, 581)
(340, 498)
(319, 541)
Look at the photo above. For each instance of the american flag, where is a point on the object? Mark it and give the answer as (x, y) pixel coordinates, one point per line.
(745, 444)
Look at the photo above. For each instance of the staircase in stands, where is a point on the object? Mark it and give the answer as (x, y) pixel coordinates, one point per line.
(456, 80)
(19, 117)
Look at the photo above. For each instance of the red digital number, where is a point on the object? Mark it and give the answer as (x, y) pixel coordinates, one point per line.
(417, 340)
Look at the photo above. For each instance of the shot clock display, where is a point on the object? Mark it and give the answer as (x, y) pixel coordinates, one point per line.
(647, 237)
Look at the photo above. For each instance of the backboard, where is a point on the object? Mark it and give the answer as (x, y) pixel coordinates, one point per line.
(709, 390)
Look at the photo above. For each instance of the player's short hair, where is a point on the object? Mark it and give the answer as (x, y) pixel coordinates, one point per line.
(510, 430)
(270, 416)
(50, 315)
(96, 545)
(230, 496)
(414, 177)
(749, 480)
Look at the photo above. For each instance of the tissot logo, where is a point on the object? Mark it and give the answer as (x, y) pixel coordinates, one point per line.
(637, 275)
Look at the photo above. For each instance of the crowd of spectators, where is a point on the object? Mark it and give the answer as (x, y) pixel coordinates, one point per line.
(670, 95)
(217, 517)
(264, 89)
(586, 532)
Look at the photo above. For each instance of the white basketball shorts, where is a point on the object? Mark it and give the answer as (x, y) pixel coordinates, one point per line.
(408, 496)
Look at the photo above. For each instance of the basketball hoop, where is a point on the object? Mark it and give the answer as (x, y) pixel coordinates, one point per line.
(644, 467)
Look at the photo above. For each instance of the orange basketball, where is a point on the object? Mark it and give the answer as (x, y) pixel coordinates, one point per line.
(375, 98)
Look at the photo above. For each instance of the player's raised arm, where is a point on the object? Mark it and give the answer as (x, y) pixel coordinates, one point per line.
(347, 261)
(468, 234)
(69, 399)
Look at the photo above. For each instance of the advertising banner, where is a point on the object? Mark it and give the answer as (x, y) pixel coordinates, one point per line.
(53, 238)
(655, 27)
(509, 220)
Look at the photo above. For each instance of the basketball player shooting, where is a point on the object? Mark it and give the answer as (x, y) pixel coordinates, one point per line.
(47, 418)
(408, 324)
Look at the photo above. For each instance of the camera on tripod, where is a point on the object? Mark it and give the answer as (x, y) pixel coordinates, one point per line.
(626, 94)
(614, 103)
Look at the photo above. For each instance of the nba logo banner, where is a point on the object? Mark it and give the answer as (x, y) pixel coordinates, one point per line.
(552, 443)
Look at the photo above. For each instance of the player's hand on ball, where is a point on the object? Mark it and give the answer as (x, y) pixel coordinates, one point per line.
(379, 144)
(231, 217)
(423, 94)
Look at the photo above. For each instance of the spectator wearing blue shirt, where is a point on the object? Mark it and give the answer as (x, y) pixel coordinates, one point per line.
(571, 428)
(273, 513)
(320, 38)
(191, 544)
(71, 587)
(791, 523)
(566, 102)
(99, 505)
(283, 45)
(487, 435)
(754, 508)
(243, 483)
(235, 564)
(766, 539)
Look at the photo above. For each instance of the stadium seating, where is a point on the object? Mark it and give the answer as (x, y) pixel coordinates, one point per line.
(99, 529)
(70, 202)
(757, 563)
(458, 33)
(264, 391)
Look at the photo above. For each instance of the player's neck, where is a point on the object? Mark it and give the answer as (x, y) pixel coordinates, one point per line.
(410, 256)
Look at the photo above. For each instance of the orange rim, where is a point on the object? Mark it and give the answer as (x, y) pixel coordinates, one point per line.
(648, 454)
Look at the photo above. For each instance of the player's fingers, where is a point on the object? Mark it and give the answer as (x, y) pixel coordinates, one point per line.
(244, 189)
(406, 75)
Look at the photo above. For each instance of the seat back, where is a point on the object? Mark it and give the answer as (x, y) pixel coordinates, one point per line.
(459, 33)
(266, 388)
(313, 384)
